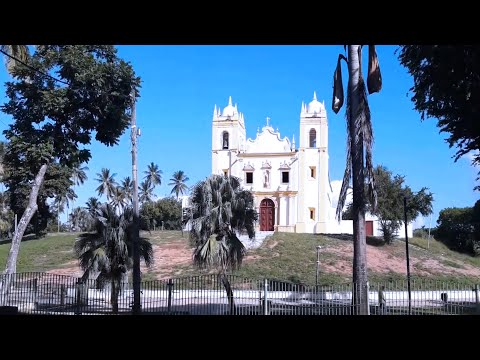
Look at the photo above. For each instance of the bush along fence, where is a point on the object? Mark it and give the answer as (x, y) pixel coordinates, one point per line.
(42, 293)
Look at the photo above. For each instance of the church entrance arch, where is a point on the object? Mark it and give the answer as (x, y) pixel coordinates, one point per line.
(267, 215)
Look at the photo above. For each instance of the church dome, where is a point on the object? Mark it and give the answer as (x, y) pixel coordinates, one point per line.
(229, 110)
(315, 106)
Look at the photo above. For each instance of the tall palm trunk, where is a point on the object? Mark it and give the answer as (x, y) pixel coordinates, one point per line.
(229, 290)
(360, 293)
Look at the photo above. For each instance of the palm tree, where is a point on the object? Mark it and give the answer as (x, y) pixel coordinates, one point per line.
(19, 52)
(118, 200)
(78, 177)
(107, 183)
(178, 181)
(80, 219)
(359, 136)
(61, 202)
(92, 205)
(153, 175)
(220, 209)
(127, 188)
(146, 192)
(106, 255)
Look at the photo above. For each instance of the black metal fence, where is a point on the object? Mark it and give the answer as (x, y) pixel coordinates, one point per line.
(41, 293)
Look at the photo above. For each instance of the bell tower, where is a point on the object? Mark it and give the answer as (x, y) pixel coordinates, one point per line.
(313, 202)
(228, 139)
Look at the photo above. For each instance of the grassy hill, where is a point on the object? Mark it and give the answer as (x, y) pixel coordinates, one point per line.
(283, 256)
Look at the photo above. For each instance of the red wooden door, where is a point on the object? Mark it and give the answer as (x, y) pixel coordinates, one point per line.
(369, 228)
(267, 215)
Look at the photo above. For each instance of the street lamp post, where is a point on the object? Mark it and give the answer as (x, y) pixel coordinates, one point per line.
(318, 265)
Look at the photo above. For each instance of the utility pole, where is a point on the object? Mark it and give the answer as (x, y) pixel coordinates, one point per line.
(318, 266)
(429, 228)
(136, 231)
(408, 257)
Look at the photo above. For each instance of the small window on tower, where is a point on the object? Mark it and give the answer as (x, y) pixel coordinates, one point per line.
(313, 138)
(285, 177)
(312, 213)
(225, 140)
(225, 172)
(313, 172)
(249, 177)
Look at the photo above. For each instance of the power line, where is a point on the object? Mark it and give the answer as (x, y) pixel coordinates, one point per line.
(50, 76)
(32, 68)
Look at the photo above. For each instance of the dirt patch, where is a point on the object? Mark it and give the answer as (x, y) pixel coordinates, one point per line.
(252, 258)
(69, 269)
(272, 244)
(393, 261)
(167, 257)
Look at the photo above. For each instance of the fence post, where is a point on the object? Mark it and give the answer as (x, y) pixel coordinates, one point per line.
(62, 294)
(78, 310)
(35, 293)
(170, 291)
(368, 298)
(265, 297)
(477, 300)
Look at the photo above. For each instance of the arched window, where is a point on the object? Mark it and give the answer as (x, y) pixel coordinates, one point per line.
(313, 138)
(225, 140)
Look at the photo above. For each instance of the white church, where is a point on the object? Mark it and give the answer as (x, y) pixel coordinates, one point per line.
(290, 183)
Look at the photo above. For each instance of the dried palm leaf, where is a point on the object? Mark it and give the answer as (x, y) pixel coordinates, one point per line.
(337, 100)
(374, 79)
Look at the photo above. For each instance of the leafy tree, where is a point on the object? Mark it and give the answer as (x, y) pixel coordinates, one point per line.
(107, 183)
(447, 87)
(106, 255)
(2, 155)
(220, 209)
(19, 52)
(457, 229)
(391, 190)
(359, 164)
(178, 181)
(21, 166)
(166, 211)
(153, 175)
(54, 119)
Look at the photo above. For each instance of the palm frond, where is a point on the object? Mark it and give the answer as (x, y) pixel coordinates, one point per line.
(366, 132)
(374, 79)
(146, 251)
(338, 95)
(206, 255)
(235, 251)
(348, 166)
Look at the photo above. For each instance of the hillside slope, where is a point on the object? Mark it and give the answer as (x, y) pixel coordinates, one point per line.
(283, 256)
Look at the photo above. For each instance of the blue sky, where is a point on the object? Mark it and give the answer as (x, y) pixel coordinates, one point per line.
(181, 85)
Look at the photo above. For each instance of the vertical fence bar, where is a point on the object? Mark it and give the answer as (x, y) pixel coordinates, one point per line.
(477, 303)
(170, 291)
(265, 297)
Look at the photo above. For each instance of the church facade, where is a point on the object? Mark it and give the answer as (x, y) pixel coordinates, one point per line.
(290, 182)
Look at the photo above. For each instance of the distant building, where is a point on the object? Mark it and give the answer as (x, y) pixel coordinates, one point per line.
(291, 185)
